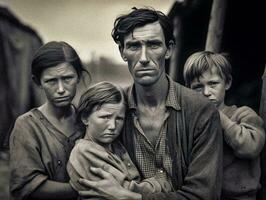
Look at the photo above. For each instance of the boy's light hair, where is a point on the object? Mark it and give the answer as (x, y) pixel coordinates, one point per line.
(200, 62)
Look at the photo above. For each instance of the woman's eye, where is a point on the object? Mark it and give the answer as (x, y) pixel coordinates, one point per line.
(50, 81)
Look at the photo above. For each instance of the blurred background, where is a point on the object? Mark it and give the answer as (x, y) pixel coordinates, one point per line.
(234, 27)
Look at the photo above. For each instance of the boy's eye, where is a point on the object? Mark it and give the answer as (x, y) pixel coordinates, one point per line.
(214, 83)
(197, 87)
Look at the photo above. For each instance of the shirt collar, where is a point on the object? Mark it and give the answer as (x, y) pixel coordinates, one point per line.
(171, 99)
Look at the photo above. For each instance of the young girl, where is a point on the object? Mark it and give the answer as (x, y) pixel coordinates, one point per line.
(43, 138)
(101, 110)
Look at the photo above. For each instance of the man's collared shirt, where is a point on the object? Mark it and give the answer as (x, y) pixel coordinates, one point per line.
(154, 161)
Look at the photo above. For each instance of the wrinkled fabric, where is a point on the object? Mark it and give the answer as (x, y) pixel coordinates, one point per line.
(17, 95)
(245, 132)
(87, 153)
(38, 151)
(199, 145)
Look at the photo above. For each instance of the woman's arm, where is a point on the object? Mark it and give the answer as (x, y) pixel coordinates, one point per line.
(54, 190)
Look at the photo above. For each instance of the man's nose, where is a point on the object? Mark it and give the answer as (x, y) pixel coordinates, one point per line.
(60, 87)
(144, 60)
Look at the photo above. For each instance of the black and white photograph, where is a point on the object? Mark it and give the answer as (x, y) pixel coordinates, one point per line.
(132, 100)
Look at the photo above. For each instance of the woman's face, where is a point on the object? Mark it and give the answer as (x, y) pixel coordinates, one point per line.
(105, 123)
(59, 84)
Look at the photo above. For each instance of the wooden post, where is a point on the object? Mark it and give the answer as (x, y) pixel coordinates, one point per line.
(216, 25)
(174, 68)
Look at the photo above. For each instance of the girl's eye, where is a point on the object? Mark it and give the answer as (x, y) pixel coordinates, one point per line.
(105, 117)
(67, 78)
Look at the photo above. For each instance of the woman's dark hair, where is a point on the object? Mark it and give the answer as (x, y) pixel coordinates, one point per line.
(125, 24)
(52, 54)
(97, 95)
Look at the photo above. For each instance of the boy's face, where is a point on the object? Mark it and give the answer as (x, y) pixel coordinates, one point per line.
(212, 86)
(104, 124)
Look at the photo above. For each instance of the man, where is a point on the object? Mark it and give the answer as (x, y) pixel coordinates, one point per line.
(169, 132)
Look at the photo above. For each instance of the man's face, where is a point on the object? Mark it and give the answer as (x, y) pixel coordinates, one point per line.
(145, 51)
(212, 86)
(59, 84)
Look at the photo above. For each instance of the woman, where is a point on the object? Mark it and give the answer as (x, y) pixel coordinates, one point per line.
(43, 138)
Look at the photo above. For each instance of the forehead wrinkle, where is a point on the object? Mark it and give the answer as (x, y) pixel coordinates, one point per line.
(144, 31)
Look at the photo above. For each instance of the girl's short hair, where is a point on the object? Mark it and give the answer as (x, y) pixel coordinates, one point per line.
(200, 62)
(97, 95)
(52, 54)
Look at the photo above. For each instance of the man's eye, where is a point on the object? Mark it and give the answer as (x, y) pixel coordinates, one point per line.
(133, 47)
(154, 46)
(120, 119)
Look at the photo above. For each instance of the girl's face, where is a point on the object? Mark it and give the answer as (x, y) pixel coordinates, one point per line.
(104, 124)
(59, 84)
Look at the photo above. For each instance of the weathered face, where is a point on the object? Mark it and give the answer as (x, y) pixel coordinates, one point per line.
(145, 51)
(212, 86)
(59, 84)
(105, 123)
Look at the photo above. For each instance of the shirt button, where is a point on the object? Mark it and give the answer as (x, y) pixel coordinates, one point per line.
(128, 164)
(160, 170)
(59, 162)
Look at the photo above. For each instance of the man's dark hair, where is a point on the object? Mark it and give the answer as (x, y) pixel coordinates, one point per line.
(125, 24)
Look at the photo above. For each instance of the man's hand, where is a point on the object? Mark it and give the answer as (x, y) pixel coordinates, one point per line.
(108, 187)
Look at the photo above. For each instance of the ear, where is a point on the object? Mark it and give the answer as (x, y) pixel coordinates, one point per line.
(84, 119)
(121, 50)
(36, 81)
(170, 49)
(228, 84)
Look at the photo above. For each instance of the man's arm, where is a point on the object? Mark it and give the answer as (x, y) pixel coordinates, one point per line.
(244, 132)
(108, 187)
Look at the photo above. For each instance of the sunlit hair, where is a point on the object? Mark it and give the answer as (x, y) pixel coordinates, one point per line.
(200, 62)
(97, 95)
(53, 53)
(125, 24)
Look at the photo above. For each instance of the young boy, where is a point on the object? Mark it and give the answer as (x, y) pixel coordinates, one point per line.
(209, 73)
